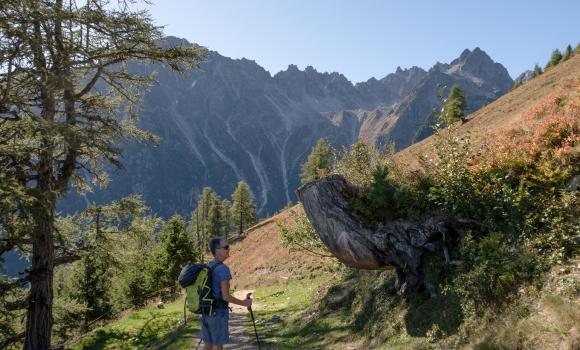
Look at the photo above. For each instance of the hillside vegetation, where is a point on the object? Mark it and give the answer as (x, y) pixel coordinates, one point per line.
(511, 170)
(509, 111)
(514, 283)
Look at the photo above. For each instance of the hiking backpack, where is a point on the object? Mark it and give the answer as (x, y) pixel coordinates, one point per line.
(199, 297)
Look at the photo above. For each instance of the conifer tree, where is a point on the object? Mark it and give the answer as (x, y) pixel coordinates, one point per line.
(567, 53)
(577, 50)
(54, 121)
(141, 248)
(226, 207)
(215, 222)
(201, 227)
(454, 106)
(100, 228)
(93, 279)
(318, 163)
(176, 250)
(554, 59)
(243, 207)
(537, 71)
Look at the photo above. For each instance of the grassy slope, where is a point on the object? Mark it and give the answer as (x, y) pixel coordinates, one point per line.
(508, 111)
(285, 284)
(258, 260)
(150, 328)
(363, 303)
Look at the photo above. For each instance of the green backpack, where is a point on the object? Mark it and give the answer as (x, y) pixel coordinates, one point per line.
(199, 297)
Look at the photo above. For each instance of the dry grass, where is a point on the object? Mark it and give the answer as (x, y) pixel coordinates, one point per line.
(259, 261)
(549, 320)
(509, 111)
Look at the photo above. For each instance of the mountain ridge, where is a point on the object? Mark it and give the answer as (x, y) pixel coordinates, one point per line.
(231, 120)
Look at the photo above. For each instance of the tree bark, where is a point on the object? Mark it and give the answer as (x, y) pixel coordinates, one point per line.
(400, 243)
(39, 315)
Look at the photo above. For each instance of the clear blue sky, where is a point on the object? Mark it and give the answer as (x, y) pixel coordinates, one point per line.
(367, 38)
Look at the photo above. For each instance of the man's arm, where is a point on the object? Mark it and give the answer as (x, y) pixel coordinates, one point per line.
(225, 285)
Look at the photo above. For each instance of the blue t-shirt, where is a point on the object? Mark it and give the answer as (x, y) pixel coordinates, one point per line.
(219, 273)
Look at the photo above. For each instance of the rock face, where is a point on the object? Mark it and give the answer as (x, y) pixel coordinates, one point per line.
(231, 120)
(410, 119)
(525, 76)
(398, 244)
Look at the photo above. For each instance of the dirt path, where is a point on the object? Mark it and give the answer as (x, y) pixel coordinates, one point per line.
(239, 337)
(239, 320)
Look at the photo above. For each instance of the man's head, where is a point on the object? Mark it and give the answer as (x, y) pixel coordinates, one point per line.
(220, 248)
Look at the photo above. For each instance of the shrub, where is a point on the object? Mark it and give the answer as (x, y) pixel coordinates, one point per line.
(554, 59)
(299, 235)
(357, 163)
(494, 267)
(516, 189)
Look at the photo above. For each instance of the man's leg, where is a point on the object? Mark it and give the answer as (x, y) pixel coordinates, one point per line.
(208, 346)
(218, 347)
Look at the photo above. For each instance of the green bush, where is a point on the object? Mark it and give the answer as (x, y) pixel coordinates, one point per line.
(493, 269)
(301, 236)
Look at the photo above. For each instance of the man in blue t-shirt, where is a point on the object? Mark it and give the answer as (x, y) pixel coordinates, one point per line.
(214, 327)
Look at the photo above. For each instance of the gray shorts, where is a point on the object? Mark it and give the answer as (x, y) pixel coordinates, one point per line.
(214, 327)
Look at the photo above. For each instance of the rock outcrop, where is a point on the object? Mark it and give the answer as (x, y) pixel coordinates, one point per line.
(525, 76)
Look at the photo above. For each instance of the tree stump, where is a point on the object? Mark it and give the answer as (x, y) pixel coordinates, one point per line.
(399, 244)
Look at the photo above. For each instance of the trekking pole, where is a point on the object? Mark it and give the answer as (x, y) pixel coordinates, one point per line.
(254, 322)
(197, 347)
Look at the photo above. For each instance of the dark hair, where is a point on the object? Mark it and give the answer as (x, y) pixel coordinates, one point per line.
(214, 244)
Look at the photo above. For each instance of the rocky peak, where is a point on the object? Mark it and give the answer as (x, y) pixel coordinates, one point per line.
(172, 41)
(329, 91)
(525, 76)
(478, 67)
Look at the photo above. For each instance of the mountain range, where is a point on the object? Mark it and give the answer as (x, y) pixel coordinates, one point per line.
(231, 120)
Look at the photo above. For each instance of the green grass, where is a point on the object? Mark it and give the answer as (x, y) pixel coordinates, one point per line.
(150, 328)
(327, 310)
(294, 303)
(361, 309)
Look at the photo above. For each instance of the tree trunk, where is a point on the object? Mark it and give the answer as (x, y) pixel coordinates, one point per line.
(39, 314)
(399, 243)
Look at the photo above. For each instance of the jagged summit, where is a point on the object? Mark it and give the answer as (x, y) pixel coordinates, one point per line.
(482, 80)
(232, 120)
(478, 67)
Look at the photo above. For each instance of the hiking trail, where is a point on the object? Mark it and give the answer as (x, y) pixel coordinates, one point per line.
(240, 337)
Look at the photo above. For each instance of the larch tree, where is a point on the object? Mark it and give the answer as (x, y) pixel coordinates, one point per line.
(215, 222)
(454, 106)
(243, 207)
(318, 163)
(102, 226)
(226, 207)
(537, 71)
(567, 53)
(67, 100)
(176, 250)
(554, 59)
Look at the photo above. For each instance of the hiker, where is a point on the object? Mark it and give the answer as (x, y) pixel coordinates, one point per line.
(214, 327)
